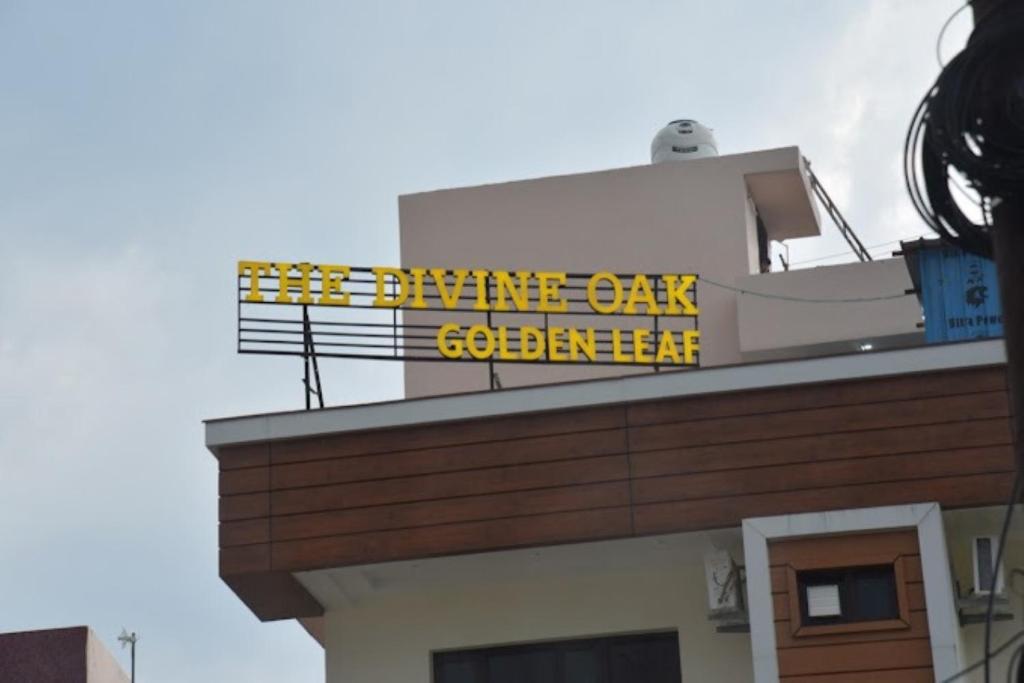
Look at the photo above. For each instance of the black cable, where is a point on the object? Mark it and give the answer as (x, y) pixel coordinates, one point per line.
(978, 664)
(991, 654)
(1014, 661)
(806, 300)
(942, 31)
(971, 119)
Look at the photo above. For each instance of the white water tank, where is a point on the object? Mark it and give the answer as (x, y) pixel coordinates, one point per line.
(683, 140)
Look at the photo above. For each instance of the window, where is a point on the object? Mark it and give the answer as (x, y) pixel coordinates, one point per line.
(648, 658)
(848, 595)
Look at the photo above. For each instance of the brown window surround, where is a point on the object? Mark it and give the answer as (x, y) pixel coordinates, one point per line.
(800, 630)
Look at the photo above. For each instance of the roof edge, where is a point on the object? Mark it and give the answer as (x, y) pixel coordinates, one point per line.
(274, 426)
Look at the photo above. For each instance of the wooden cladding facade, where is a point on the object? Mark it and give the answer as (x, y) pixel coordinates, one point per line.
(570, 475)
(899, 650)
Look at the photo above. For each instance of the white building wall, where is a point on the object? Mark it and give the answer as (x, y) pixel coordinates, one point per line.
(390, 638)
(101, 667)
(961, 527)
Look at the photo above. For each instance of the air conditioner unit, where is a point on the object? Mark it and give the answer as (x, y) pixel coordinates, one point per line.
(974, 607)
(725, 593)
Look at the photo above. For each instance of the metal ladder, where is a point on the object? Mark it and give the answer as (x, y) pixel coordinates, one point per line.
(833, 212)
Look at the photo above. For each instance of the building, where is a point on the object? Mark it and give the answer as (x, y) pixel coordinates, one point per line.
(818, 501)
(59, 655)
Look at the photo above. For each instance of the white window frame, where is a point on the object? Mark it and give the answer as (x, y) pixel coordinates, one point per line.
(943, 625)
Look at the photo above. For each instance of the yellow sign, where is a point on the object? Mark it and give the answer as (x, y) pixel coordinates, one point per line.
(557, 294)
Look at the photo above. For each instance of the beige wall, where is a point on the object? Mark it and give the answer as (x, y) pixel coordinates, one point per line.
(776, 328)
(101, 667)
(961, 527)
(388, 636)
(671, 218)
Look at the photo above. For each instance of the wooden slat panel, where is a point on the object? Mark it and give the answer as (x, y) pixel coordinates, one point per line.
(912, 569)
(784, 636)
(917, 675)
(915, 596)
(446, 511)
(250, 455)
(843, 550)
(274, 595)
(818, 420)
(780, 606)
(247, 480)
(797, 397)
(715, 513)
(450, 458)
(450, 484)
(816, 475)
(483, 430)
(780, 579)
(339, 551)
(244, 506)
(896, 654)
(562, 476)
(245, 532)
(948, 435)
(245, 558)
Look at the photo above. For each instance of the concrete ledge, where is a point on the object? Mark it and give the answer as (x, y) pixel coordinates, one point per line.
(248, 429)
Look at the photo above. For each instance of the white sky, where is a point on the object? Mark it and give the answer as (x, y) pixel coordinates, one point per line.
(145, 147)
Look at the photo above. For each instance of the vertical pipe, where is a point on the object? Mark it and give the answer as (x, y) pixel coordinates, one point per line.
(490, 360)
(657, 283)
(305, 355)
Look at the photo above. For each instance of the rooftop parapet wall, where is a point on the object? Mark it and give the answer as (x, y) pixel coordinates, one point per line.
(59, 655)
(797, 319)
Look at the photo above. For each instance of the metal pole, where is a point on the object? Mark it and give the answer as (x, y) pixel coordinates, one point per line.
(490, 326)
(129, 640)
(305, 355)
(657, 281)
(1008, 247)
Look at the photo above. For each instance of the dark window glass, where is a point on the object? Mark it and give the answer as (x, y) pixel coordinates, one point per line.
(515, 667)
(865, 594)
(464, 671)
(650, 662)
(584, 666)
(652, 658)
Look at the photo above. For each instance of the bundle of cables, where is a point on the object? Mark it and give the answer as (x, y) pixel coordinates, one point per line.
(970, 127)
(971, 120)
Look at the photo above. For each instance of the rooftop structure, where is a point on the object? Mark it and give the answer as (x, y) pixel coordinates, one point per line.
(59, 655)
(818, 499)
(712, 216)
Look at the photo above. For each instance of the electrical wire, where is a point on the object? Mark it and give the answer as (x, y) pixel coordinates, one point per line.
(1010, 507)
(972, 120)
(782, 297)
(1014, 662)
(870, 247)
(990, 654)
(942, 31)
(981, 662)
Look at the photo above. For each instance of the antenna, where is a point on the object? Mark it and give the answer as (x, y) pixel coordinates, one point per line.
(126, 639)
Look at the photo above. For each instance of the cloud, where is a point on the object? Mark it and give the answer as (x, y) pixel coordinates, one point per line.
(852, 119)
